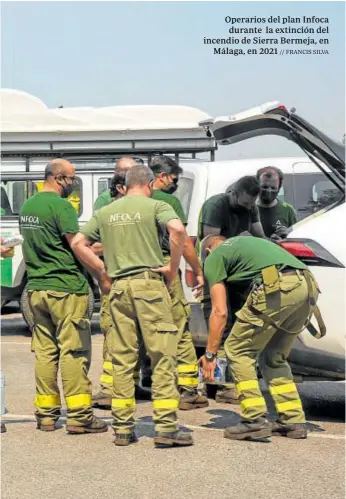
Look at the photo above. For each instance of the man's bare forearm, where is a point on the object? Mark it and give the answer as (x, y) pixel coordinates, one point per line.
(191, 257)
(88, 259)
(217, 324)
(176, 244)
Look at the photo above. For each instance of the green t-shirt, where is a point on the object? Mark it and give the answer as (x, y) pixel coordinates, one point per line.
(176, 205)
(217, 212)
(130, 230)
(44, 220)
(272, 218)
(103, 199)
(239, 260)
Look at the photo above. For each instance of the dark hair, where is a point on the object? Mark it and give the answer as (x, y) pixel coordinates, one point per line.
(138, 176)
(165, 164)
(269, 172)
(117, 179)
(248, 184)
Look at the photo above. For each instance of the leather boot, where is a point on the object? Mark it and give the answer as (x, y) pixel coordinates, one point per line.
(123, 439)
(172, 439)
(248, 429)
(297, 430)
(227, 396)
(192, 400)
(96, 426)
(102, 400)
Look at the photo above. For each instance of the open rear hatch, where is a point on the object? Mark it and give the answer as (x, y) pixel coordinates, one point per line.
(274, 119)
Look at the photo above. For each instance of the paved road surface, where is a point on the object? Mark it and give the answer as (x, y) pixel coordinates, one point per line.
(38, 465)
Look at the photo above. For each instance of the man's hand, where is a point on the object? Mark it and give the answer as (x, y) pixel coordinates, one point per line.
(105, 283)
(208, 367)
(6, 252)
(97, 249)
(198, 289)
(167, 273)
(282, 231)
(245, 233)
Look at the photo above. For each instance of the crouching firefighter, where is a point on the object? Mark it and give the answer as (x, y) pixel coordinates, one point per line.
(281, 297)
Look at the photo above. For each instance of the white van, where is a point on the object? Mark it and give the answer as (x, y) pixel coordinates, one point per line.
(318, 195)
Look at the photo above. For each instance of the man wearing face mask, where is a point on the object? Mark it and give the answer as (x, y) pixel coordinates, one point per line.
(167, 172)
(58, 298)
(229, 214)
(276, 217)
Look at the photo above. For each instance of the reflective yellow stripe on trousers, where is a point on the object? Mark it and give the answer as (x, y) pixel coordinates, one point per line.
(78, 400)
(247, 385)
(106, 379)
(253, 402)
(107, 366)
(187, 381)
(121, 403)
(187, 368)
(165, 404)
(47, 401)
(282, 389)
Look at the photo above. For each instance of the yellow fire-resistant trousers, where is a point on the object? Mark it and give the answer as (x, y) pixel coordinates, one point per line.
(141, 307)
(250, 337)
(61, 334)
(187, 367)
(106, 379)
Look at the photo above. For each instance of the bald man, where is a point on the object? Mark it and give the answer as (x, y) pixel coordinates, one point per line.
(123, 163)
(58, 298)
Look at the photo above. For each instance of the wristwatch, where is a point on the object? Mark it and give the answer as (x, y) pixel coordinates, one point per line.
(210, 356)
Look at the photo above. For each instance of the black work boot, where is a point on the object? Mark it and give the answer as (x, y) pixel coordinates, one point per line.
(172, 439)
(192, 400)
(96, 426)
(123, 439)
(102, 400)
(297, 430)
(142, 393)
(3, 428)
(247, 429)
(227, 396)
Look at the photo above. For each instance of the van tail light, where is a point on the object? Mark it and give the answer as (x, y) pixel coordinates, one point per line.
(310, 252)
(189, 274)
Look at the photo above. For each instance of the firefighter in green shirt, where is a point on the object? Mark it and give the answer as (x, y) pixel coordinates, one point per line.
(58, 298)
(129, 230)
(281, 297)
(276, 216)
(103, 398)
(167, 172)
(229, 214)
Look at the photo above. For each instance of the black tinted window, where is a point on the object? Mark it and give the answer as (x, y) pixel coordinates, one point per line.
(312, 192)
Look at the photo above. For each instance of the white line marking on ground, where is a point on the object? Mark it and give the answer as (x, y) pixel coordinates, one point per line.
(25, 418)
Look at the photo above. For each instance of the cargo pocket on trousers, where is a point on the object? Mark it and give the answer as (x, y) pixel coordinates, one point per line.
(80, 339)
(149, 305)
(167, 339)
(290, 283)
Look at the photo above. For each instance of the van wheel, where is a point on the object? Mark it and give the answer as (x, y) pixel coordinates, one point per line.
(26, 312)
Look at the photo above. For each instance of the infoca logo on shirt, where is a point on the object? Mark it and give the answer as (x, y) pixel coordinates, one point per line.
(124, 218)
(30, 222)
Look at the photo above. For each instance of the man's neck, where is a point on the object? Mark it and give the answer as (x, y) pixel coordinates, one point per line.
(263, 205)
(47, 187)
(136, 191)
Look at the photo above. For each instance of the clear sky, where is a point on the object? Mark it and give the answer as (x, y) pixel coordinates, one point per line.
(118, 53)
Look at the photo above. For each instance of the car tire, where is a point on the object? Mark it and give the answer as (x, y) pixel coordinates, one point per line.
(27, 314)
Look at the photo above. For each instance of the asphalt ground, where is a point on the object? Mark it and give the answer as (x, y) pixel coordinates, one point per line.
(55, 465)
